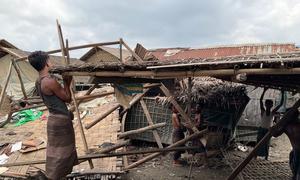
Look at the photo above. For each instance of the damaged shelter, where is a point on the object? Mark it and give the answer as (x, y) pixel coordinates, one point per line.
(222, 104)
(134, 77)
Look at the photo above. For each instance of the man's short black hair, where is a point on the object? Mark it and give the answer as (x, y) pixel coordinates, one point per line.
(38, 59)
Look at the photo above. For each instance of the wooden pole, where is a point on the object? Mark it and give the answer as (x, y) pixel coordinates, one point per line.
(125, 159)
(113, 147)
(75, 48)
(186, 118)
(138, 58)
(184, 74)
(61, 43)
(189, 105)
(72, 108)
(93, 96)
(178, 143)
(121, 52)
(63, 50)
(20, 78)
(141, 130)
(150, 122)
(102, 116)
(99, 156)
(5, 84)
(275, 129)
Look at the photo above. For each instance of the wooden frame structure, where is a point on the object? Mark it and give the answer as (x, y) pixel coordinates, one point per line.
(286, 67)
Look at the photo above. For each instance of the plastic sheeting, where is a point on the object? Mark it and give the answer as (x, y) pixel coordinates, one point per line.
(28, 74)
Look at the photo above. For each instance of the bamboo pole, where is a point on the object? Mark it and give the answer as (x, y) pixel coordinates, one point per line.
(125, 159)
(186, 118)
(75, 48)
(63, 50)
(99, 156)
(274, 129)
(5, 84)
(121, 52)
(20, 78)
(102, 116)
(138, 58)
(150, 122)
(72, 108)
(185, 73)
(93, 96)
(141, 130)
(61, 43)
(178, 143)
(113, 147)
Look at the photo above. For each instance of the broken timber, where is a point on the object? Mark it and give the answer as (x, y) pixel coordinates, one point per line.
(97, 156)
(178, 143)
(6, 83)
(141, 130)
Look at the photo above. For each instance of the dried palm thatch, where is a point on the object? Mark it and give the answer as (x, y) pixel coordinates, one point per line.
(212, 92)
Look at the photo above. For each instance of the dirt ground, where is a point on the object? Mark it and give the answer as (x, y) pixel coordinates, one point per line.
(162, 168)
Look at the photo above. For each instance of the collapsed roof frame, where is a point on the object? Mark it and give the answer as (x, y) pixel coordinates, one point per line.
(151, 72)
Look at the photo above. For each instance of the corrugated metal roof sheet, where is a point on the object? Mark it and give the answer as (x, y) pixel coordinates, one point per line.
(222, 51)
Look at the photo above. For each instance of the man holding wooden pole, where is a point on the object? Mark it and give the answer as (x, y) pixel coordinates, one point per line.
(61, 151)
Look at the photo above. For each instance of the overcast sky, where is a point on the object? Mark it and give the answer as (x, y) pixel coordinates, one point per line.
(31, 25)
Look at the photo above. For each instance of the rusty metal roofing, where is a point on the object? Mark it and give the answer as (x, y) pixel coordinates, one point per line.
(222, 51)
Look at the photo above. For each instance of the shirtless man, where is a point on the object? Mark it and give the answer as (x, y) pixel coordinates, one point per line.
(292, 130)
(61, 153)
(267, 115)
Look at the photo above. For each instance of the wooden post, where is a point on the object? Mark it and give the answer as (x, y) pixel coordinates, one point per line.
(61, 42)
(150, 122)
(141, 130)
(72, 108)
(20, 78)
(113, 147)
(63, 50)
(278, 127)
(125, 159)
(121, 53)
(189, 105)
(178, 143)
(102, 116)
(5, 84)
(138, 58)
(186, 118)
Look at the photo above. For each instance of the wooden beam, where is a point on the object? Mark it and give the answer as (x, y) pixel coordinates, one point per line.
(186, 118)
(121, 52)
(89, 91)
(125, 159)
(138, 58)
(76, 47)
(61, 42)
(141, 130)
(95, 95)
(113, 147)
(99, 156)
(178, 143)
(185, 74)
(20, 78)
(150, 122)
(102, 116)
(3, 90)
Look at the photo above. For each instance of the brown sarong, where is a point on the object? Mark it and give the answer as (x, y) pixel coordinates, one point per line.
(61, 150)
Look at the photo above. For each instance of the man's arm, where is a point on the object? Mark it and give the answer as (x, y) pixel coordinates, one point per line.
(62, 92)
(280, 104)
(262, 107)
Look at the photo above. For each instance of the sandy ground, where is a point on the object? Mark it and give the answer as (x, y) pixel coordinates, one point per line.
(162, 168)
